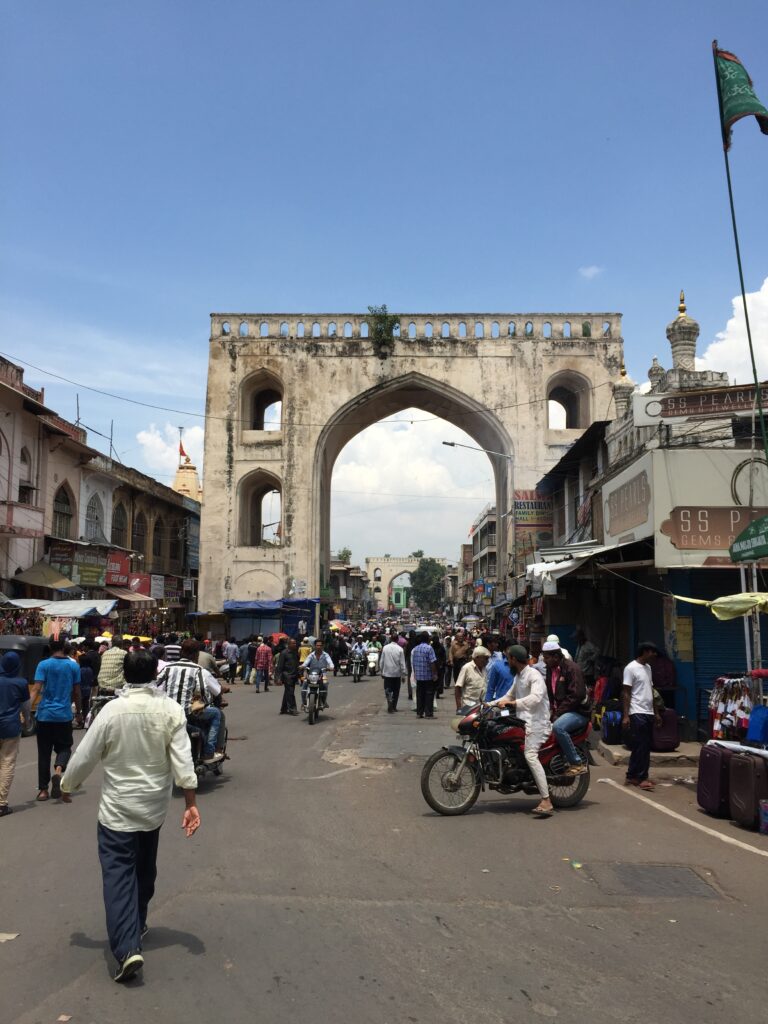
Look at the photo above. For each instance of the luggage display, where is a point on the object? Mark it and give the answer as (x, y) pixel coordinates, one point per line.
(748, 785)
(666, 737)
(612, 730)
(757, 731)
(712, 791)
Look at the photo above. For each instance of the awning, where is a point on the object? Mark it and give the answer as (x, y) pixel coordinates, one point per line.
(77, 609)
(28, 602)
(124, 594)
(252, 606)
(543, 571)
(42, 575)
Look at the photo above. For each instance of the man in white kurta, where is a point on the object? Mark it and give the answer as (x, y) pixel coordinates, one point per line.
(528, 698)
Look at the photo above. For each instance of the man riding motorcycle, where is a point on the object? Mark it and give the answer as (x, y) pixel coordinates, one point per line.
(318, 661)
(187, 683)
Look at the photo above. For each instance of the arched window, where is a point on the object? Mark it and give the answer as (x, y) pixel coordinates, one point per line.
(428, 330)
(347, 329)
(94, 518)
(586, 329)
(512, 329)
(567, 329)
(284, 329)
(495, 329)
(264, 329)
(300, 329)
(569, 390)
(315, 329)
(26, 490)
(547, 330)
(364, 329)
(260, 510)
(462, 329)
(139, 534)
(411, 330)
(243, 329)
(119, 526)
(396, 330)
(63, 512)
(377, 590)
(606, 328)
(479, 329)
(331, 329)
(529, 329)
(157, 538)
(226, 328)
(445, 330)
(262, 402)
(377, 574)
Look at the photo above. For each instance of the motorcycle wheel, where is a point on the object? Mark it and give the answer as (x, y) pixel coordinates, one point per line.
(439, 793)
(574, 792)
(312, 709)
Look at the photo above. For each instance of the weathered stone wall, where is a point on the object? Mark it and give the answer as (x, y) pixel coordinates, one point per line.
(334, 385)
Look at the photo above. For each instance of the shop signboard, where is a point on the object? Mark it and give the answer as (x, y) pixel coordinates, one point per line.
(118, 569)
(60, 555)
(139, 583)
(704, 500)
(702, 403)
(628, 504)
(188, 586)
(752, 544)
(89, 567)
(172, 590)
(157, 587)
(193, 542)
(532, 525)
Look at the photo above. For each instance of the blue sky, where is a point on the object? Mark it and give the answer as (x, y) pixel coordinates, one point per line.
(165, 159)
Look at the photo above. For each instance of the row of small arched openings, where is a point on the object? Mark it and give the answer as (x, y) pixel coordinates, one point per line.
(346, 331)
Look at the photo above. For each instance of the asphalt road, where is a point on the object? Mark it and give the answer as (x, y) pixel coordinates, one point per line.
(321, 887)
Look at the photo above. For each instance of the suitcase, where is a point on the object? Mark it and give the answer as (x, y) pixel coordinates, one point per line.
(748, 785)
(612, 731)
(757, 731)
(666, 737)
(712, 786)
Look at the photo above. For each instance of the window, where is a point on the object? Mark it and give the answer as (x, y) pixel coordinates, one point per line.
(377, 574)
(284, 329)
(529, 329)
(411, 330)
(606, 328)
(63, 511)
(300, 329)
(174, 542)
(586, 329)
(567, 329)
(139, 534)
(462, 329)
(347, 329)
(260, 510)
(261, 402)
(225, 327)
(568, 395)
(315, 329)
(243, 330)
(495, 329)
(332, 330)
(94, 518)
(512, 329)
(445, 330)
(364, 329)
(428, 330)
(396, 330)
(263, 329)
(157, 538)
(119, 526)
(479, 329)
(26, 490)
(547, 329)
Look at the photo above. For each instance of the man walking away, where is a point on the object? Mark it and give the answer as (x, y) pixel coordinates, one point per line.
(172, 648)
(392, 666)
(141, 742)
(262, 666)
(287, 672)
(59, 679)
(424, 667)
(14, 703)
(637, 694)
(111, 676)
(231, 653)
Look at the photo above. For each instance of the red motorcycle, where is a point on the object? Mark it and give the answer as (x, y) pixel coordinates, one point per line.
(491, 756)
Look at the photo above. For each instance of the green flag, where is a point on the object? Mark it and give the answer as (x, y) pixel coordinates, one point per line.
(737, 97)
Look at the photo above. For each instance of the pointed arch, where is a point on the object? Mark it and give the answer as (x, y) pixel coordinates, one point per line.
(64, 512)
(94, 518)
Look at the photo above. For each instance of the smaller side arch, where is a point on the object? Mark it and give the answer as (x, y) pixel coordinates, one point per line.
(261, 399)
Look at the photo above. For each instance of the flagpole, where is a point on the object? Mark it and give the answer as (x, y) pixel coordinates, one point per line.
(724, 132)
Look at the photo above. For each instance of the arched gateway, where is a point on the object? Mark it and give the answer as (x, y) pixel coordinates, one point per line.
(286, 392)
(383, 570)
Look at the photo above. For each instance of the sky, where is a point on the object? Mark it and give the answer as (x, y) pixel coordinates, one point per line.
(167, 159)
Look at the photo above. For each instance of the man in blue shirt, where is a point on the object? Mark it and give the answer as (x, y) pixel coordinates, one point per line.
(424, 668)
(500, 678)
(318, 661)
(59, 678)
(14, 702)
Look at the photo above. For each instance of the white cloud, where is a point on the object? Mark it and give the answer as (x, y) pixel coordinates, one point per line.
(730, 352)
(160, 449)
(398, 488)
(591, 272)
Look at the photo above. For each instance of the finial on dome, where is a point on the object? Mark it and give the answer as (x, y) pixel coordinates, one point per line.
(681, 310)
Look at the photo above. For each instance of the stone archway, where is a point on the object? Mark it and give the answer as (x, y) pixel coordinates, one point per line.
(485, 373)
(390, 567)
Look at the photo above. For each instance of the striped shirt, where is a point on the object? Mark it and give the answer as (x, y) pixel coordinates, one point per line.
(172, 652)
(181, 681)
(422, 660)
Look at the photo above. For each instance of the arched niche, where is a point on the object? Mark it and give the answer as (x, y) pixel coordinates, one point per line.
(261, 401)
(259, 504)
(572, 392)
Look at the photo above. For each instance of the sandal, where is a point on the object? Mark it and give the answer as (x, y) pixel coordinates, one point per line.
(42, 795)
(646, 785)
(541, 812)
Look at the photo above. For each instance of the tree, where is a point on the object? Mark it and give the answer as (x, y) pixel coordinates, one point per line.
(426, 583)
(383, 326)
(344, 555)
(417, 554)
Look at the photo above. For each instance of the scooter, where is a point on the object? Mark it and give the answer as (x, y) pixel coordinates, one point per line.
(372, 660)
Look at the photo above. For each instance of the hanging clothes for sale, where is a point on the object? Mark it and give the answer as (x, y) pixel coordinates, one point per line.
(730, 705)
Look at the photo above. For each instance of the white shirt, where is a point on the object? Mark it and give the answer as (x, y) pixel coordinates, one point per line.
(473, 682)
(142, 743)
(392, 661)
(529, 691)
(639, 678)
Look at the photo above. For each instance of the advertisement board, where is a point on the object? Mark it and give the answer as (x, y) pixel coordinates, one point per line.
(118, 569)
(533, 525)
(157, 587)
(139, 583)
(628, 504)
(89, 567)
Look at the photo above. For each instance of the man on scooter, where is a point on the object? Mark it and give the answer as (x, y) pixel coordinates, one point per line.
(528, 699)
(318, 661)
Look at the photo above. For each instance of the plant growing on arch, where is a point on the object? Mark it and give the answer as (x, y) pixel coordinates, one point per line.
(382, 327)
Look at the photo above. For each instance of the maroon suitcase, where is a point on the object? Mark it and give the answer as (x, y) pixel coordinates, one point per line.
(748, 785)
(666, 737)
(712, 786)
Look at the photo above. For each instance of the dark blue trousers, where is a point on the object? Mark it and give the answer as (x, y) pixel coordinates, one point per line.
(641, 732)
(128, 869)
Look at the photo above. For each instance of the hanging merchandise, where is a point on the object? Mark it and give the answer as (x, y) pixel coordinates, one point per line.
(730, 705)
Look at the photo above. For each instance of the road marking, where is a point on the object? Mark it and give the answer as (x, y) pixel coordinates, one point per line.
(681, 817)
(329, 775)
